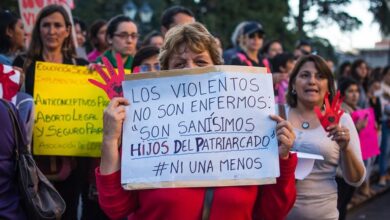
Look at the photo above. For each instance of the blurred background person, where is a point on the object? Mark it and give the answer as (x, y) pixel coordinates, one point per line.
(97, 38)
(81, 36)
(154, 38)
(235, 40)
(302, 48)
(384, 95)
(175, 15)
(251, 42)
(272, 48)
(359, 72)
(281, 67)
(344, 70)
(146, 60)
(12, 37)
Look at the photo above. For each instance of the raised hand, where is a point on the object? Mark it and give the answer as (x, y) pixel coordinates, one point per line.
(113, 80)
(332, 113)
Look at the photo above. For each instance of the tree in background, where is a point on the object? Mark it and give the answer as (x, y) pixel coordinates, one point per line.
(381, 11)
(327, 10)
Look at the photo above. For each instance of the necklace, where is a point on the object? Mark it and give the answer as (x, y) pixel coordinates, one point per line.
(305, 124)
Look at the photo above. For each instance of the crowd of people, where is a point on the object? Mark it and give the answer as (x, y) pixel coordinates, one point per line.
(301, 82)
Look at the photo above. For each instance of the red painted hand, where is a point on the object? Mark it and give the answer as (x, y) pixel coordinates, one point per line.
(113, 80)
(332, 113)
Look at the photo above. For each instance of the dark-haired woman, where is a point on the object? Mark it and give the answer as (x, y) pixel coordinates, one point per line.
(12, 37)
(359, 72)
(51, 41)
(310, 80)
(121, 37)
(146, 60)
(98, 39)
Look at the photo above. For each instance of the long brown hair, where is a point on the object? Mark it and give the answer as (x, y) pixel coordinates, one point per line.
(36, 46)
(321, 66)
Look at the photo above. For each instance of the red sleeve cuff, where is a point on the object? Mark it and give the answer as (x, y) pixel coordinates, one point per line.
(109, 179)
(287, 167)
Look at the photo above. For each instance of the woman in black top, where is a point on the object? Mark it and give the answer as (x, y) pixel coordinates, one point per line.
(51, 41)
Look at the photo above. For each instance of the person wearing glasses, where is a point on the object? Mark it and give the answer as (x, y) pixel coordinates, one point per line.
(146, 60)
(121, 36)
(251, 42)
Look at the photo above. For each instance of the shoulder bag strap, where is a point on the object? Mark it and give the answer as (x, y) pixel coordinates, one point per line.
(20, 145)
(208, 200)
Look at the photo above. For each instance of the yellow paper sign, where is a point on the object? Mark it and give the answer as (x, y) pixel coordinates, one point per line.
(68, 111)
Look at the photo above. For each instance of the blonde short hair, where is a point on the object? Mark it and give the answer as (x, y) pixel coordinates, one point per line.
(195, 37)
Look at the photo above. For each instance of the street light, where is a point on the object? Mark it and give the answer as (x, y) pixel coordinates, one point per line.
(130, 9)
(146, 13)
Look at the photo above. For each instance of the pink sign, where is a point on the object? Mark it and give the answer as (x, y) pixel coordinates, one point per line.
(368, 135)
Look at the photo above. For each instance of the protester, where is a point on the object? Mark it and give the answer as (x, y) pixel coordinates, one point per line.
(97, 38)
(12, 37)
(310, 80)
(235, 40)
(10, 202)
(175, 15)
(344, 70)
(302, 48)
(190, 46)
(121, 36)
(272, 48)
(385, 101)
(154, 38)
(281, 67)
(51, 41)
(81, 37)
(359, 72)
(146, 60)
(349, 89)
(252, 41)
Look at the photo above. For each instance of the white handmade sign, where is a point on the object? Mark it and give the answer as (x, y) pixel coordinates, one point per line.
(199, 127)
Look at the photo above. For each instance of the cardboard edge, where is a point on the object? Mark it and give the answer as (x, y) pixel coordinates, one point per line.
(199, 70)
(205, 183)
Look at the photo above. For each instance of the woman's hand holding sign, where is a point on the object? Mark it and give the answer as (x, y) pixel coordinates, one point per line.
(285, 136)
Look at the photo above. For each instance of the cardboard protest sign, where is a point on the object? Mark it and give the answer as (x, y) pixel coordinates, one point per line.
(69, 111)
(199, 127)
(29, 10)
(368, 137)
(9, 83)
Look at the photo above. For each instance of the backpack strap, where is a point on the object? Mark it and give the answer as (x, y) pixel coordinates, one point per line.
(244, 59)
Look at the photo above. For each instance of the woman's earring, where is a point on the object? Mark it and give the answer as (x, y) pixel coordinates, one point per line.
(293, 91)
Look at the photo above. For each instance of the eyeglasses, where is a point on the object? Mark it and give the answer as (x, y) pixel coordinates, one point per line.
(125, 36)
(147, 68)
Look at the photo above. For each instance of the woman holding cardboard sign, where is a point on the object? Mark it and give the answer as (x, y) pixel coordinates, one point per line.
(325, 130)
(191, 46)
(51, 41)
